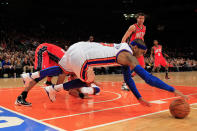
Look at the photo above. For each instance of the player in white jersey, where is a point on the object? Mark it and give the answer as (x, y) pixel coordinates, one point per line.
(82, 56)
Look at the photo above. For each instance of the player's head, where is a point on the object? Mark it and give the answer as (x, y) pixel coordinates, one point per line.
(155, 42)
(140, 17)
(91, 38)
(138, 46)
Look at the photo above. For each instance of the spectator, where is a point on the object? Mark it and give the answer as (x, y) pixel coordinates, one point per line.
(26, 65)
(1, 70)
(7, 67)
(91, 39)
(18, 67)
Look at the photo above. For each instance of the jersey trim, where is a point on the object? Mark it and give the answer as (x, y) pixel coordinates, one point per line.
(122, 51)
(40, 57)
(67, 72)
(95, 62)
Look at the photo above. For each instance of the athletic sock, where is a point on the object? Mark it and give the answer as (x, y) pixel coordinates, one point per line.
(24, 94)
(166, 72)
(35, 75)
(58, 87)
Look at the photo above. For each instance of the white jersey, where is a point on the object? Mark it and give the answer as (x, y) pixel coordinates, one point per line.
(82, 55)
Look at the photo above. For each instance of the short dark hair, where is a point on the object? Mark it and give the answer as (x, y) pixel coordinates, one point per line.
(139, 14)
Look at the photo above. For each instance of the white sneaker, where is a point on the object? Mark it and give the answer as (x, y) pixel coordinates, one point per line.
(51, 92)
(124, 87)
(26, 78)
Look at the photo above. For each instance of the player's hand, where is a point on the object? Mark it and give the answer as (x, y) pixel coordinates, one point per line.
(178, 93)
(144, 102)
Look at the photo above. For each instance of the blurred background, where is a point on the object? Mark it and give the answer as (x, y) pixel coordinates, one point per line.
(24, 24)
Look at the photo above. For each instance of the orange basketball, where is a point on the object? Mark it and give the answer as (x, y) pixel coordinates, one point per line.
(179, 108)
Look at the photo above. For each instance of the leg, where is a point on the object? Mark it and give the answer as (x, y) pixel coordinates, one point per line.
(166, 70)
(156, 64)
(154, 67)
(165, 64)
(48, 82)
(32, 81)
(85, 80)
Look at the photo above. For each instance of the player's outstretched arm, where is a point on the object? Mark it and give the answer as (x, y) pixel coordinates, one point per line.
(126, 69)
(126, 58)
(128, 33)
(156, 82)
(130, 82)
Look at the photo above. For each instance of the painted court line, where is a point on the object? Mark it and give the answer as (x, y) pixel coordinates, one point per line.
(103, 109)
(57, 128)
(88, 112)
(132, 118)
(119, 96)
(158, 102)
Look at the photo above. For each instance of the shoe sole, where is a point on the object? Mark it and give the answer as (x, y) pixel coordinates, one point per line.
(48, 94)
(126, 89)
(19, 104)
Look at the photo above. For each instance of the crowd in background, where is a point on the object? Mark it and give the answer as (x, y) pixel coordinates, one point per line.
(17, 52)
(17, 57)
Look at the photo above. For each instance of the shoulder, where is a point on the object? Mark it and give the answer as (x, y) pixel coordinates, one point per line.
(144, 27)
(132, 27)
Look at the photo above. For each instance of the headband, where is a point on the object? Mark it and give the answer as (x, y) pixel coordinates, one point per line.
(138, 45)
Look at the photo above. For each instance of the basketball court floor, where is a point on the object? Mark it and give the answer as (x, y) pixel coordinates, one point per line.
(113, 109)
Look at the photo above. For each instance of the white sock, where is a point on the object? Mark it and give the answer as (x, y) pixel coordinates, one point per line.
(88, 90)
(35, 75)
(58, 87)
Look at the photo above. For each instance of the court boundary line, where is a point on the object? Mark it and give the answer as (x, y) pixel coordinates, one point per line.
(119, 121)
(82, 113)
(31, 118)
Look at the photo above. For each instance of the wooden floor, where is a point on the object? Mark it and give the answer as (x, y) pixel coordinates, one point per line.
(113, 109)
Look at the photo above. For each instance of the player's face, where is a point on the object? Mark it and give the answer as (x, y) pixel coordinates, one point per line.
(155, 42)
(91, 39)
(138, 52)
(140, 19)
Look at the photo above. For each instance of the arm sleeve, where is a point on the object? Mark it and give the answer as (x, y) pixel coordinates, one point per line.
(129, 81)
(152, 80)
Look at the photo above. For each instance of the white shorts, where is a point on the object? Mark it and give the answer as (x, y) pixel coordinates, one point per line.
(74, 61)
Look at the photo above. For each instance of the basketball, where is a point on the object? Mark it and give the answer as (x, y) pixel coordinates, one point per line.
(179, 108)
